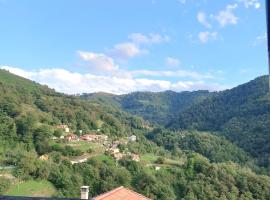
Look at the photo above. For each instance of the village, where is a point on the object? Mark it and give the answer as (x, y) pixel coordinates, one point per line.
(94, 144)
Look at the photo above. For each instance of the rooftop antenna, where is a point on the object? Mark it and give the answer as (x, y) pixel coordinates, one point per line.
(268, 35)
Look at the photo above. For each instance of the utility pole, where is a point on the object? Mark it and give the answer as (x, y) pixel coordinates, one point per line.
(267, 5)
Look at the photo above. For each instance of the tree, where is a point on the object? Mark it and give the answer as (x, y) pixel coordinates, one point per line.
(160, 160)
(41, 138)
(4, 185)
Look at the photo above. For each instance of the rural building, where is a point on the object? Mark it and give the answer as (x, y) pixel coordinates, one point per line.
(132, 138)
(89, 137)
(82, 160)
(135, 157)
(71, 137)
(113, 150)
(44, 157)
(121, 193)
(94, 137)
(64, 127)
(118, 156)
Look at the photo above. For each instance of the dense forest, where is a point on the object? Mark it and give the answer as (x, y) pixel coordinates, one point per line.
(241, 114)
(210, 150)
(157, 108)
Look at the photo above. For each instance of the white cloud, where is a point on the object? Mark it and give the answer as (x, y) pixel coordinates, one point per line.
(177, 73)
(206, 36)
(172, 62)
(251, 3)
(135, 46)
(227, 17)
(98, 61)
(260, 39)
(74, 83)
(202, 18)
(126, 50)
(151, 38)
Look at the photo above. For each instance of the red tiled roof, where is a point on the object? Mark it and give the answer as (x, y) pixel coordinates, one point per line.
(121, 193)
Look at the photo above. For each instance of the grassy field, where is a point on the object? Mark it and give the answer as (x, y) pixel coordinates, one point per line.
(148, 158)
(84, 146)
(32, 188)
(151, 159)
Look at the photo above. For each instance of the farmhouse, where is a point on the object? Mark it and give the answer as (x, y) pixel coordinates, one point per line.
(44, 157)
(132, 138)
(94, 137)
(63, 127)
(118, 156)
(89, 137)
(71, 137)
(135, 157)
(113, 150)
(82, 160)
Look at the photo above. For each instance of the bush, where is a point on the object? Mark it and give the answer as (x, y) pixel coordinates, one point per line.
(160, 160)
(4, 185)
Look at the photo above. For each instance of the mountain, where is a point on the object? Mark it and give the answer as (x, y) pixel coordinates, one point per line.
(241, 114)
(192, 165)
(24, 103)
(157, 108)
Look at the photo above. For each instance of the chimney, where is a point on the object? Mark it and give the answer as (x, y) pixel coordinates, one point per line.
(84, 192)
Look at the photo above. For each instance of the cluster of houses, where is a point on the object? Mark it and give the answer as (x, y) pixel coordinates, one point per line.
(114, 151)
(92, 137)
(112, 147)
(87, 137)
(118, 155)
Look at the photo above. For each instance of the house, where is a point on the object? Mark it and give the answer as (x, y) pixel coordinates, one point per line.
(157, 168)
(121, 193)
(88, 137)
(44, 157)
(113, 150)
(66, 130)
(71, 137)
(135, 157)
(132, 138)
(54, 138)
(118, 156)
(94, 137)
(63, 127)
(78, 161)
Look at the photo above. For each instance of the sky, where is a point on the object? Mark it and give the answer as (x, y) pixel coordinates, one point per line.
(122, 46)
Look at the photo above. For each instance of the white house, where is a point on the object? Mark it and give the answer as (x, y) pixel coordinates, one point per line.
(132, 138)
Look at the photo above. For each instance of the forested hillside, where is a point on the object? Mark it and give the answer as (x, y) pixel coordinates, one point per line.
(242, 114)
(157, 108)
(172, 165)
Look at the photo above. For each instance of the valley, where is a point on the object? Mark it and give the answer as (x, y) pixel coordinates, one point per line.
(166, 146)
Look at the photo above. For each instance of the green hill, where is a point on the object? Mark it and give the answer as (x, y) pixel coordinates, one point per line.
(26, 106)
(29, 113)
(157, 108)
(213, 147)
(242, 114)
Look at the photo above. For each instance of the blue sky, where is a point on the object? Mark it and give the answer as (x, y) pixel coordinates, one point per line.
(120, 46)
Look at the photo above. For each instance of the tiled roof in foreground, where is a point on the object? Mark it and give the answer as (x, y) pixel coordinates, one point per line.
(30, 198)
(121, 193)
